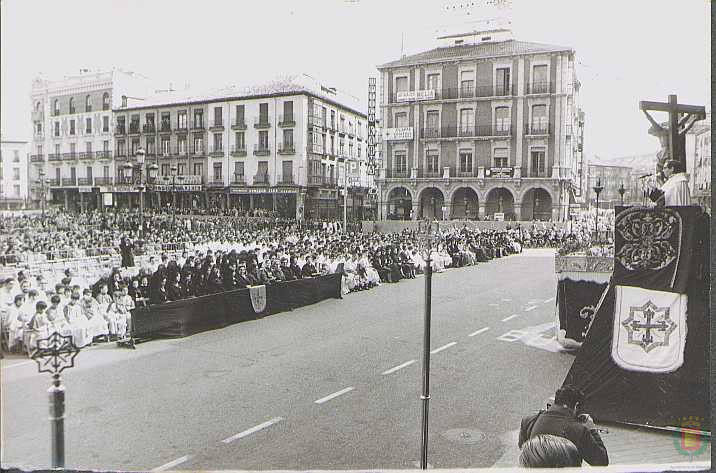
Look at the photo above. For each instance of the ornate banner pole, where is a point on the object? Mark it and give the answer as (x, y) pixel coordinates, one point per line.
(53, 355)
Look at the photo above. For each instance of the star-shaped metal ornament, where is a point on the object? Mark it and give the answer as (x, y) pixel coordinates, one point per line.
(55, 353)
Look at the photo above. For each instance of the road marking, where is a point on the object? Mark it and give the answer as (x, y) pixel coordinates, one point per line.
(18, 364)
(510, 317)
(252, 430)
(334, 395)
(479, 331)
(532, 307)
(506, 300)
(512, 335)
(399, 367)
(548, 300)
(173, 463)
(438, 350)
(494, 304)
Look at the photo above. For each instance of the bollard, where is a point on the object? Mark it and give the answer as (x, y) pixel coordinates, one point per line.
(57, 422)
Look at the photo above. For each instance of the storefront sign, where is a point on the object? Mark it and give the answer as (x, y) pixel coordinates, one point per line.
(397, 134)
(193, 179)
(124, 188)
(107, 199)
(263, 190)
(178, 188)
(411, 95)
(85, 188)
(500, 172)
(499, 216)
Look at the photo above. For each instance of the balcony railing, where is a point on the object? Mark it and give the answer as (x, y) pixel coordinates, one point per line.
(397, 173)
(239, 179)
(181, 129)
(84, 181)
(262, 122)
(37, 158)
(216, 125)
(286, 120)
(216, 182)
(286, 181)
(54, 182)
(121, 156)
(429, 173)
(539, 87)
(261, 179)
(286, 148)
(149, 128)
(198, 125)
(239, 124)
(238, 151)
(71, 156)
(325, 181)
(198, 151)
(179, 151)
(261, 150)
(54, 157)
(87, 155)
(538, 173)
(69, 181)
(454, 131)
(464, 173)
(134, 128)
(104, 155)
(216, 151)
(314, 120)
(120, 130)
(342, 129)
(537, 129)
(165, 127)
(103, 181)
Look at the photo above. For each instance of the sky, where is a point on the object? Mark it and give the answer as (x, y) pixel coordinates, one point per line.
(627, 50)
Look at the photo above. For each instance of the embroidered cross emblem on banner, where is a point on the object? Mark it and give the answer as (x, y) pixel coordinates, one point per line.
(649, 326)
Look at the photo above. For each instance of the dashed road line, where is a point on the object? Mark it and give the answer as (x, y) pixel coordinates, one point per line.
(506, 300)
(444, 347)
(548, 300)
(334, 395)
(172, 463)
(532, 307)
(252, 430)
(479, 331)
(510, 317)
(493, 304)
(399, 367)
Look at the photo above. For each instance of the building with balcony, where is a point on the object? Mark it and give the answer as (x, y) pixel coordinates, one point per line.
(14, 165)
(481, 125)
(73, 134)
(698, 162)
(279, 150)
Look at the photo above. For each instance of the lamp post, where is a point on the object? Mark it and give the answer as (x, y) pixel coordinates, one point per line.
(597, 190)
(174, 195)
(426, 236)
(41, 175)
(53, 355)
(621, 191)
(140, 154)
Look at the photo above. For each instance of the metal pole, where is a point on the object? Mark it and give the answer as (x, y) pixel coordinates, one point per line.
(425, 397)
(596, 220)
(57, 421)
(345, 196)
(174, 203)
(141, 205)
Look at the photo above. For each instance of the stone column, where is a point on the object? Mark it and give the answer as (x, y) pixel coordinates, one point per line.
(481, 209)
(517, 208)
(67, 199)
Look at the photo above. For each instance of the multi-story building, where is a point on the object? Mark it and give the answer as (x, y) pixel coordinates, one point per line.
(73, 130)
(283, 150)
(13, 174)
(482, 125)
(611, 178)
(698, 162)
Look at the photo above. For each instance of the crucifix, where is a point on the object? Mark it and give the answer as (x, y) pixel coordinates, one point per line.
(672, 134)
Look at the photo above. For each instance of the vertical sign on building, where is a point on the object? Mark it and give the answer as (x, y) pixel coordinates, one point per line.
(371, 126)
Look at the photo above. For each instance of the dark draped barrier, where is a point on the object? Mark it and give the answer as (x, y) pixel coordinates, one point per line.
(644, 360)
(576, 303)
(198, 314)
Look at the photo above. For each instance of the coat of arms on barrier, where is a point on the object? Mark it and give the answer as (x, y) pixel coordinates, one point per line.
(258, 298)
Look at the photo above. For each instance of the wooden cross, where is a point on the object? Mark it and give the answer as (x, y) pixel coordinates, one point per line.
(681, 119)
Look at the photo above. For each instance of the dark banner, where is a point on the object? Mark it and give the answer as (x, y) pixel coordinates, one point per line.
(198, 314)
(645, 357)
(577, 302)
(654, 247)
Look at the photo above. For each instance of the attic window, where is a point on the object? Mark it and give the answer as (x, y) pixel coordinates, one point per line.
(459, 41)
(486, 38)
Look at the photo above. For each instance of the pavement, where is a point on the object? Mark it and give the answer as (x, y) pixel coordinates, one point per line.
(335, 385)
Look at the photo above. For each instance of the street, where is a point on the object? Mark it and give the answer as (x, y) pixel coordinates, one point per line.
(335, 385)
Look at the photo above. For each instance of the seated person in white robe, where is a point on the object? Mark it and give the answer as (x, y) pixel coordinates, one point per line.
(77, 321)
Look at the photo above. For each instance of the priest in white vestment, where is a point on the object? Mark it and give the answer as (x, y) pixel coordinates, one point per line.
(675, 191)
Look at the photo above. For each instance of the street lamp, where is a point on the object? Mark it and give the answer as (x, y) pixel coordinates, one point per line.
(597, 190)
(427, 237)
(41, 174)
(140, 154)
(174, 194)
(621, 191)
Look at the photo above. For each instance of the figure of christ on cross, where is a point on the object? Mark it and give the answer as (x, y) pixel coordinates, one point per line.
(672, 135)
